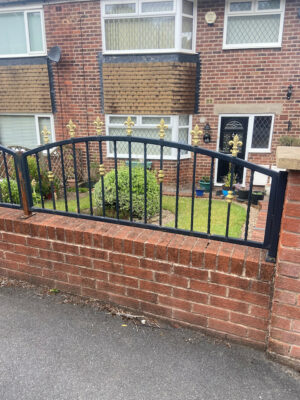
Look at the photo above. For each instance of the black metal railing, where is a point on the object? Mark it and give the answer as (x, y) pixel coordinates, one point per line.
(10, 189)
(42, 191)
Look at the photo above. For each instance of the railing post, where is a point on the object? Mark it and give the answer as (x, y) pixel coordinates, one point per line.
(24, 185)
(276, 221)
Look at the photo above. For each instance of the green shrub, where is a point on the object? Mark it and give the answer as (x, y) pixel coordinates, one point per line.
(33, 174)
(137, 192)
(5, 192)
(289, 141)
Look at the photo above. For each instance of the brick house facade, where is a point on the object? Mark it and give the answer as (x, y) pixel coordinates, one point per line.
(209, 84)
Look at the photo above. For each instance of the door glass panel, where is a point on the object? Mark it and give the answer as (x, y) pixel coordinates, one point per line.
(44, 122)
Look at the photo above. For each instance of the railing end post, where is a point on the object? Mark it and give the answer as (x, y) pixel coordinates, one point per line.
(23, 186)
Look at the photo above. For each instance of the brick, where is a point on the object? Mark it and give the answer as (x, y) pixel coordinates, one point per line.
(189, 295)
(40, 243)
(162, 247)
(284, 297)
(229, 304)
(259, 311)
(93, 253)
(280, 323)
(295, 352)
(110, 287)
(197, 256)
(290, 224)
(25, 250)
(228, 280)
(293, 285)
(91, 273)
(252, 263)
(285, 337)
(155, 265)
(65, 248)
(208, 288)
(210, 311)
(288, 269)
(286, 311)
(39, 262)
(259, 336)
(168, 279)
(175, 303)
(56, 275)
(30, 270)
(277, 347)
(227, 327)
(248, 320)
(12, 238)
(155, 288)
(254, 298)
(266, 272)
(108, 266)
(123, 280)
(69, 269)
(18, 258)
(210, 255)
(78, 260)
(138, 273)
(141, 295)
(238, 260)
(224, 257)
(189, 272)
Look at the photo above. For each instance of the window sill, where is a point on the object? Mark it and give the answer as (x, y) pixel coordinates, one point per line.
(136, 52)
(253, 46)
(23, 55)
(259, 151)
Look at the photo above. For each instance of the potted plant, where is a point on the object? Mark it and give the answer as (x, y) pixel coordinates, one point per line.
(243, 193)
(227, 182)
(199, 192)
(259, 194)
(205, 183)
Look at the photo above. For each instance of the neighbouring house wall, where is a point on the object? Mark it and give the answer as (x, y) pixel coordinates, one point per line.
(216, 287)
(284, 339)
(25, 86)
(256, 78)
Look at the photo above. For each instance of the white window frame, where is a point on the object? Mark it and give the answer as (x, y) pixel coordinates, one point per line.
(254, 11)
(177, 12)
(174, 125)
(249, 149)
(25, 11)
(36, 122)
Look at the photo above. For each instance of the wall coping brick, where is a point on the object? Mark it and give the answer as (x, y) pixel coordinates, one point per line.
(288, 157)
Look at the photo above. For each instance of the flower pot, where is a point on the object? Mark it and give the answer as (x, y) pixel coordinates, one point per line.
(205, 185)
(243, 194)
(199, 192)
(225, 190)
(254, 199)
(259, 195)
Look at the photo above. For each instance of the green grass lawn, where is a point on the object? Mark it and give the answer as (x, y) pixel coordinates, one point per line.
(218, 213)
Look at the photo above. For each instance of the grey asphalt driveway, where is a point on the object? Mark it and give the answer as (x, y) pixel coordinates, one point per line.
(55, 351)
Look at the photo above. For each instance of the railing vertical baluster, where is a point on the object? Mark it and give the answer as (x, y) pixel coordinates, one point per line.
(39, 178)
(7, 177)
(145, 183)
(161, 166)
(76, 177)
(64, 177)
(210, 195)
(51, 182)
(193, 191)
(130, 178)
(89, 175)
(229, 203)
(116, 179)
(18, 178)
(177, 187)
(102, 177)
(249, 204)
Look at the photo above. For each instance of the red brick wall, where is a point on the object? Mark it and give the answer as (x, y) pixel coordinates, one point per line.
(285, 323)
(217, 287)
(75, 28)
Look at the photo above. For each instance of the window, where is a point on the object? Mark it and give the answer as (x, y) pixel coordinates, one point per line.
(146, 126)
(253, 24)
(261, 133)
(145, 26)
(24, 130)
(21, 33)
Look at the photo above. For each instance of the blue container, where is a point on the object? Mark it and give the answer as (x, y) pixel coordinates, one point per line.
(225, 192)
(199, 192)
